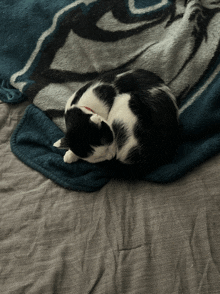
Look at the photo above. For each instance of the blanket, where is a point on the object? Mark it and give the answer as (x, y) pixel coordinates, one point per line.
(51, 48)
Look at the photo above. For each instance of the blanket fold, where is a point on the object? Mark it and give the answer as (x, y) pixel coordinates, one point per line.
(32, 142)
(50, 49)
(9, 94)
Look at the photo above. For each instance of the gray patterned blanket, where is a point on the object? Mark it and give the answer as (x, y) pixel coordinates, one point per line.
(51, 48)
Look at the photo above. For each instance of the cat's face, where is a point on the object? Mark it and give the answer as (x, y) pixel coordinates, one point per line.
(88, 137)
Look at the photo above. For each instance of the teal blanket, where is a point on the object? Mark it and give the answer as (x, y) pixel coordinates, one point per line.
(51, 48)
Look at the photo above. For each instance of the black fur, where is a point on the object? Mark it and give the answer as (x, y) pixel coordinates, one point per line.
(156, 130)
(158, 134)
(53, 113)
(110, 76)
(80, 92)
(106, 93)
(138, 80)
(120, 132)
(81, 138)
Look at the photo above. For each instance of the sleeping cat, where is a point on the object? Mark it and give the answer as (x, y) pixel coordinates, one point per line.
(129, 116)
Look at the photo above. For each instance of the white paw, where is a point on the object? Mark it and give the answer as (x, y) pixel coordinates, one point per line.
(57, 144)
(70, 157)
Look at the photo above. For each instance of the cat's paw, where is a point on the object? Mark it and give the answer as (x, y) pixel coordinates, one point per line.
(70, 157)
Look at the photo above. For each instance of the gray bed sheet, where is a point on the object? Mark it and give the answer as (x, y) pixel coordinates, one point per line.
(126, 238)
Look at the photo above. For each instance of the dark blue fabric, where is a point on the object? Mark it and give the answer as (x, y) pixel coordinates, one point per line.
(22, 23)
(8, 94)
(32, 142)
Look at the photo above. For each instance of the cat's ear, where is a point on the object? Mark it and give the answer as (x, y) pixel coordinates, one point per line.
(96, 119)
(61, 144)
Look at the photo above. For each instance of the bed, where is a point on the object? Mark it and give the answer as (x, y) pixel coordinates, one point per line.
(78, 228)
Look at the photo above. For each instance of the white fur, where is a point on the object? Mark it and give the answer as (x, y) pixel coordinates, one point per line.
(121, 112)
(124, 73)
(70, 157)
(90, 100)
(96, 119)
(69, 101)
(102, 153)
(167, 90)
(57, 144)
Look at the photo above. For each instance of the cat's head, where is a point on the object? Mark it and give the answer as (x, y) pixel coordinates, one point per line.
(88, 136)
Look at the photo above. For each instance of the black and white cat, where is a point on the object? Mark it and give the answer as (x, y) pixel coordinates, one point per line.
(130, 116)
